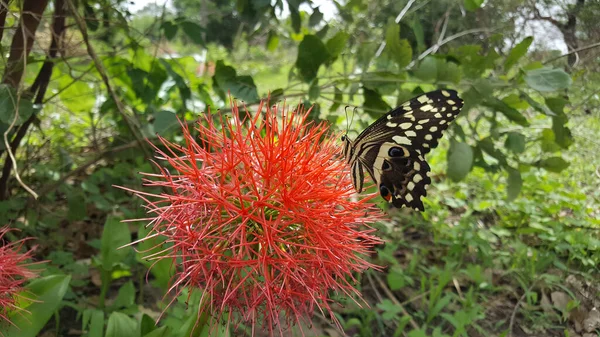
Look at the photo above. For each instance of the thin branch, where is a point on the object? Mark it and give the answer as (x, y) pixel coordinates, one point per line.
(575, 51)
(438, 44)
(398, 18)
(103, 73)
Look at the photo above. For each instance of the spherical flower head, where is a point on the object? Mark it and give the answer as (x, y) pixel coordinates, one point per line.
(13, 274)
(262, 216)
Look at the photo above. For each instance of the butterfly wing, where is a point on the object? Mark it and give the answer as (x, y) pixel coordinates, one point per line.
(392, 149)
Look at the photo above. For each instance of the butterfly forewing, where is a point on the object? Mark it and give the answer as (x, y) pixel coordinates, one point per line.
(392, 149)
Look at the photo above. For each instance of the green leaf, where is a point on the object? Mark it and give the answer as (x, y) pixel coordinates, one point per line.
(562, 134)
(314, 90)
(460, 160)
(125, 296)
(398, 49)
(312, 53)
(296, 20)
(396, 278)
(510, 113)
(48, 293)
(427, 70)
(337, 43)
(514, 184)
(547, 79)
(537, 106)
(8, 104)
(374, 103)
(548, 141)
(165, 121)
(114, 237)
(553, 164)
(163, 331)
(97, 324)
(272, 40)
(473, 5)
(77, 95)
(120, 325)
(517, 52)
(193, 31)
(169, 29)
(315, 17)
(241, 87)
(515, 142)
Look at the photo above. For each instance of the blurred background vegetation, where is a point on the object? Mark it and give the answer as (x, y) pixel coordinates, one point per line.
(508, 245)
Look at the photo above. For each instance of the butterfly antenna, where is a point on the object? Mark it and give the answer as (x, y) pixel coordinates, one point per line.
(346, 112)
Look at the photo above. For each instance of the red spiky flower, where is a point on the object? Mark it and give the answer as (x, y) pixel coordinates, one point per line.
(262, 216)
(13, 274)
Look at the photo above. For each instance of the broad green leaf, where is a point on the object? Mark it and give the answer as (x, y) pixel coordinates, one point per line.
(374, 104)
(384, 82)
(337, 43)
(8, 104)
(163, 331)
(460, 160)
(120, 325)
(193, 31)
(548, 143)
(427, 70)
(77, 95)
(169, 29)
(537, 106)
(114, 237)
(97, 324)
(125, 296)
(165, 121)
(241, 87)
(562, 134)
(398, 49)
(314, 90)
(515, 142)
(547, 79)
(553, 164)
(514, 101)
(517, 52)
(396, 278)
(514, 184)
(315, 18)
(45, 296)
(419, 33)
(312, 53)
(510, 113)
(448, 71)
(472, 5)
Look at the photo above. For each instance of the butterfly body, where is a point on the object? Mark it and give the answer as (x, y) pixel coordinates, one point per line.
(392, 149)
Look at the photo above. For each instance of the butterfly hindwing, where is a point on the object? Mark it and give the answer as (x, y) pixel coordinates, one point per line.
(392, 149)
(404, 178)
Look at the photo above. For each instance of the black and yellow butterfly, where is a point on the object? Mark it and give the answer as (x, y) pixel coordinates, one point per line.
(393, 148)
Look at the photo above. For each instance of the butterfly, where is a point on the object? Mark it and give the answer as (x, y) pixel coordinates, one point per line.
(393, 148)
